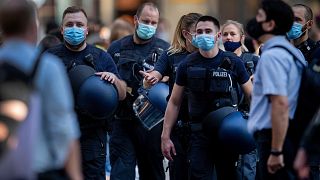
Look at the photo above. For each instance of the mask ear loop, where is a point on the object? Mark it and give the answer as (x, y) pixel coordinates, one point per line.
(192, 35)
(306, 28)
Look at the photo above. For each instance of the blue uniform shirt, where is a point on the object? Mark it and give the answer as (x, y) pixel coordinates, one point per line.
(277, 73)
(102, 60)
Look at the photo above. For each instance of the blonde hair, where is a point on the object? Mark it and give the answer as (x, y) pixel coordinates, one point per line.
(179, 41)
(241, 30)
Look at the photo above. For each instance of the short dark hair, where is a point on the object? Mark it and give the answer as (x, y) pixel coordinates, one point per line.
(16, 16)
(142, 6)
(73, 9)
(308, 15)
(210, 19)
(281, 13)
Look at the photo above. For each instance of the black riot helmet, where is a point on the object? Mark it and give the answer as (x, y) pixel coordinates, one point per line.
(229, 127)
(94, 97)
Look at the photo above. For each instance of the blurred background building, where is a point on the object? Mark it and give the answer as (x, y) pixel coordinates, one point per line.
(102, 13)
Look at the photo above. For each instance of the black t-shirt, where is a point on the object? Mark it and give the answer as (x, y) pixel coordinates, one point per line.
(130, 58)
(203, 102)
(167, 65)
(239, 73)
(101, 59)
(140, 52)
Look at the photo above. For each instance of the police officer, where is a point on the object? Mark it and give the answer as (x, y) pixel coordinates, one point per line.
(308, 100)
(130, 142)
(233, 41)
(167, 65)
(200, 72)
(75, 51)
(299, 32)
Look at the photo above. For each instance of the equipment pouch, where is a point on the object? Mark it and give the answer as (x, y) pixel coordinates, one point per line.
(197, 78)
(220, 81)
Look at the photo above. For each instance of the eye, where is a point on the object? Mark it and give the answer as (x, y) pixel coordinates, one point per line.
(199, 31)
(69, 24)
(80, 24)
(208, 31)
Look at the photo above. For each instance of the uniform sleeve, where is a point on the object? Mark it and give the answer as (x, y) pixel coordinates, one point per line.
(108, 64)
(114, 51)
(274, 72)
(58, 106)
(242, 74)
(181, 78)
(162, 64)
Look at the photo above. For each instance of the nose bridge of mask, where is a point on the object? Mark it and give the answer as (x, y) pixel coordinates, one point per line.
(146, 25)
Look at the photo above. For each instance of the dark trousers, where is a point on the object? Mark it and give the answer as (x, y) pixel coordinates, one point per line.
(207, 155)
(122, 150)
(93, 151)
(178, 168)
(131, 143)
(263, 141)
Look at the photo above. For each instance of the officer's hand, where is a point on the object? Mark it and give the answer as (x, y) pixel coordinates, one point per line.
(167, 147)
(108, 76)
(148, 77)
(300, 164)
(275, 163)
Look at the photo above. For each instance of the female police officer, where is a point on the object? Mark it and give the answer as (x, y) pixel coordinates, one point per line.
(233, 41)
(167, 64)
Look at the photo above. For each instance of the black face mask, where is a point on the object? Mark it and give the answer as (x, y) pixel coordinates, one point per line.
(231, 46)
(254, 29)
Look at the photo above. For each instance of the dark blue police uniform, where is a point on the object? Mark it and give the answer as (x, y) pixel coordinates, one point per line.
(167, 65)
(211, 83)
(93, 132)
(129, 140)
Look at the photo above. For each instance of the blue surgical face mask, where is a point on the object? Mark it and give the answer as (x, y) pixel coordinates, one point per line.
(231, 46)
(205, 41)
(295, 31)
(74, 35)
(194, 42)
(145, 32)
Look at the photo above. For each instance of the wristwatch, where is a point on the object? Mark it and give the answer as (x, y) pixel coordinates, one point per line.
(275, 152)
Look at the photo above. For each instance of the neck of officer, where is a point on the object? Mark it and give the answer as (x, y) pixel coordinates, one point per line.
(209, 54)
(77, 49)
(138, 40)
(300, 40)
(238, 51)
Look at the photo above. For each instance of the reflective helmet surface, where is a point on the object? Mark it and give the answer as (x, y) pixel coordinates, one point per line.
(234, 134)
(93, 96)
(229, 127)
(158, 94)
